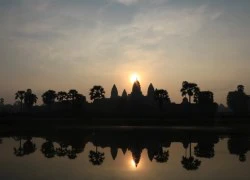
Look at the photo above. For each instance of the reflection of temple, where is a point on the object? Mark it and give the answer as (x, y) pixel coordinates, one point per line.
(136, 153)
(155, 142)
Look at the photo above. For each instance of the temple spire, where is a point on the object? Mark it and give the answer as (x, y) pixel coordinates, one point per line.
(114, 92)
(124, 94)
(151, 91)
(136, 89)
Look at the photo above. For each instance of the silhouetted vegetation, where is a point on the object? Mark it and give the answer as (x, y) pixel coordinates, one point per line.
(161, 96)
(96, 157)
(190, 89)
(20, 95)
(1, 101)
(29, 98)
(49, 97)
(135, 104)
(190, 163)
(97, 92)
(237, 100)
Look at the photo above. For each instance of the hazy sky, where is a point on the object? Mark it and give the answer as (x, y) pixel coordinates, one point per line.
(62, 44)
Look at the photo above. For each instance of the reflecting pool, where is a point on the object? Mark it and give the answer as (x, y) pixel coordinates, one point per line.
(124, 153)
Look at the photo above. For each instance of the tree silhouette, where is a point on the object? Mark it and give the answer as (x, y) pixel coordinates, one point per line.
(49, 97)
(72, 94)
(204, 149)
(95, 157)
(190, 163)
(19, 151)
(161, 96)
(238, 100)
(238, 146)
(1, 101)
(48, 149)
(97, 92)
(62, 150)
(205, 97)
(71, 153)
(190, 89)
(30, 99)
(62, 96)
(28, 146)
(20, 95)
(161, 156)
(79, 101)
(240, 88)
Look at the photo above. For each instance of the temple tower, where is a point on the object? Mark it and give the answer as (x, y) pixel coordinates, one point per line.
(151, 91)
(114, 92)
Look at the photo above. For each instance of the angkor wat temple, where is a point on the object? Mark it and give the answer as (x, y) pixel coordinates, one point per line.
(137, 102)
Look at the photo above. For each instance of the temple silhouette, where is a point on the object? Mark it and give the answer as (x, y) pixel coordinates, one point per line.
(155, 103)
(136, 102)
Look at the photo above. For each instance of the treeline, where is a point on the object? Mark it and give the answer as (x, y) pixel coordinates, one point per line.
(237, 100)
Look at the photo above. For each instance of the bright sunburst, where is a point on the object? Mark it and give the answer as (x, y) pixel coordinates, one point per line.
(132, 164)
(134, 77)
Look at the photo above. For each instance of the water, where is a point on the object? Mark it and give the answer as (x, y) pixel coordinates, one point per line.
(124, 153)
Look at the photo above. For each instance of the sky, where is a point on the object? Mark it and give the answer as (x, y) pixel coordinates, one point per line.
(62, 45)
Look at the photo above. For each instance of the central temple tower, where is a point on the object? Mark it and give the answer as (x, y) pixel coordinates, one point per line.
(136, 89)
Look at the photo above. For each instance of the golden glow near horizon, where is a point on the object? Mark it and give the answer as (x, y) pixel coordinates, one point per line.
(132, 164)
(134, 77)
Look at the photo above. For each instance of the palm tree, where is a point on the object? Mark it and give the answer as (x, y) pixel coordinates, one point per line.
(19, 151)
(30, 99)
(49, 97)
(161, 96)
(62, 96)
(96, 157)
(161, 156)
(190, 163)
(97, 92)
(20, 95)
(190, 89)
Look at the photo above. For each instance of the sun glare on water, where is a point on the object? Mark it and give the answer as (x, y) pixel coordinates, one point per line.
(134, 77)
(132, 164)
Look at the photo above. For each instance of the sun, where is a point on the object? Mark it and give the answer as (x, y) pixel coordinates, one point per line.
(134, 77)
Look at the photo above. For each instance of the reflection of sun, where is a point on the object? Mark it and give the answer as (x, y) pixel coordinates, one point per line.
(132, 164)
(134, 77)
